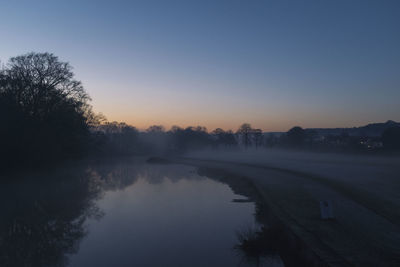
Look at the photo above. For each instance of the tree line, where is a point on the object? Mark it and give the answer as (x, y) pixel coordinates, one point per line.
(120, 138)
(45, 116)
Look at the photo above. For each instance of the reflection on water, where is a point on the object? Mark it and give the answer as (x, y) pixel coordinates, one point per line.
(122, 213)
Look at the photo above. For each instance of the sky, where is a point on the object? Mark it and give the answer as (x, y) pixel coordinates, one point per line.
(274, 64)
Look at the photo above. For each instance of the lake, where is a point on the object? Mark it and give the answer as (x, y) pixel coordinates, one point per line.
(124, 213)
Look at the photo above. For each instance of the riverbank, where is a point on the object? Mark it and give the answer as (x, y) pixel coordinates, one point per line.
(365, 231)
(276, 236)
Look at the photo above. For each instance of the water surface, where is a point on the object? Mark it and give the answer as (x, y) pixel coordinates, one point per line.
(122, 213)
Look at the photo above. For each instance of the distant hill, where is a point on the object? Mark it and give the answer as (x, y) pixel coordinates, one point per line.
(372, 129)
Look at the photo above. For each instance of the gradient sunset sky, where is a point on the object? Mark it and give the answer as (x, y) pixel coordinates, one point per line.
(274, 64)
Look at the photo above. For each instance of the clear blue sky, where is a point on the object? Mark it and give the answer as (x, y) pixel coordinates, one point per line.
(274, 64)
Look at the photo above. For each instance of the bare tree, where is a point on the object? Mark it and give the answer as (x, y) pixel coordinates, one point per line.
(258, 137)
(40, 83)
(155, 129)
(244, 133)
(225, 138)
(48, 114)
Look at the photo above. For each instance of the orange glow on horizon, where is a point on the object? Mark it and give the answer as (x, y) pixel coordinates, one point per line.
(266, 124)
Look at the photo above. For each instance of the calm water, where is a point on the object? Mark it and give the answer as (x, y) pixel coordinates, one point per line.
(125, 213)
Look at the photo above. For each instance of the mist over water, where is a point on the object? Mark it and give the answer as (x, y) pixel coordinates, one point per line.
(199, 133)
(128, 213)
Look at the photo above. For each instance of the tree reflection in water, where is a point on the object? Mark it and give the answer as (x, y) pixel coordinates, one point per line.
(43, 216)
(43, 213)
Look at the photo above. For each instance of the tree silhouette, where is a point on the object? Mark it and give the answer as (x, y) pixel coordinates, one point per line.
(118, 138)
(189, 138)
(43, 218)
(45, 112)
(156, 129)
(245, 132)
(258, 137)
(296, 136)
(224, 138)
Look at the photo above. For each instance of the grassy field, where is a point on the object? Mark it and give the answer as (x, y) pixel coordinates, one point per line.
(364, 191)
